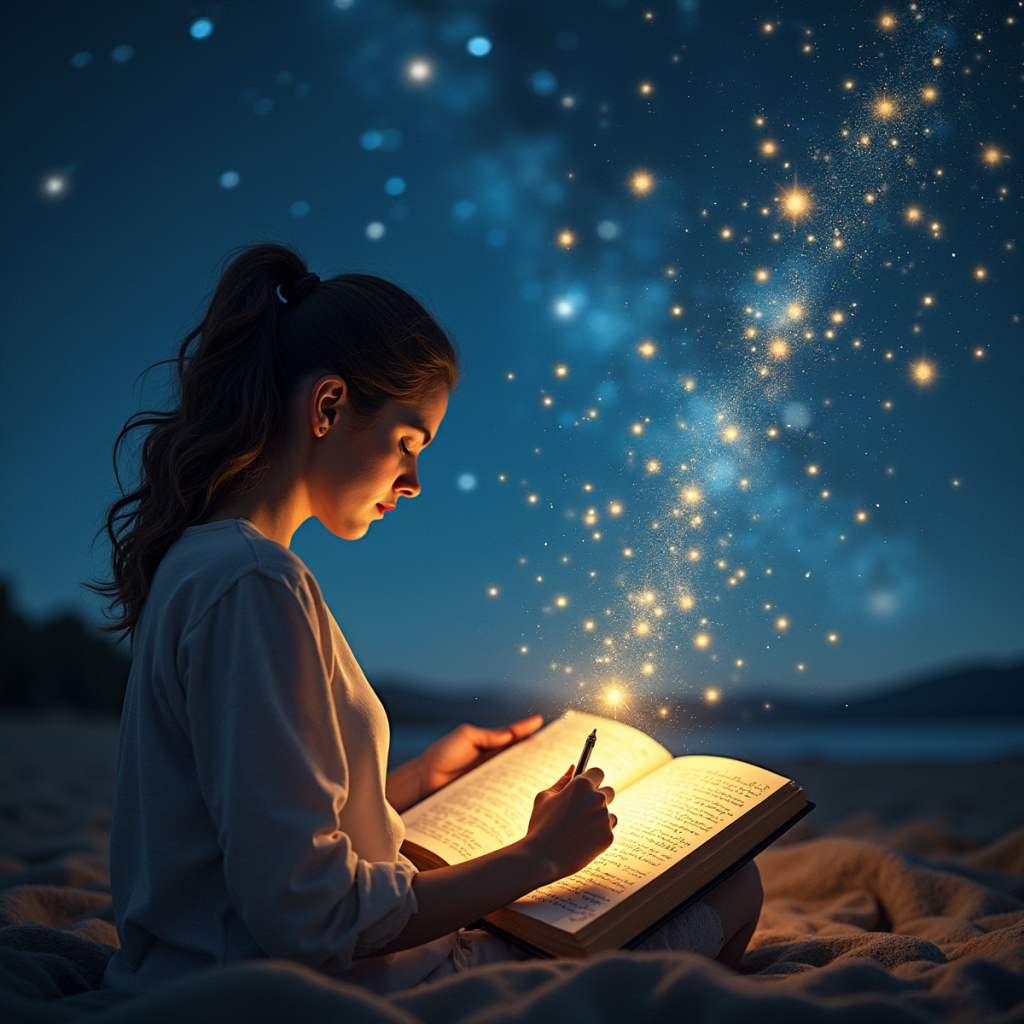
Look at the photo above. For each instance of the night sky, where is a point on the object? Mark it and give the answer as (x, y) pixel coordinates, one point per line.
(737, 289)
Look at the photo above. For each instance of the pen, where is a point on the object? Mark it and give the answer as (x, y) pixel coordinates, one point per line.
(588, 749)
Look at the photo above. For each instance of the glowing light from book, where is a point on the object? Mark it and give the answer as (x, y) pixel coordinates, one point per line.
(614, 697)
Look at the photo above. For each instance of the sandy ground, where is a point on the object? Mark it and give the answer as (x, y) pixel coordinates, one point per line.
(56, 774)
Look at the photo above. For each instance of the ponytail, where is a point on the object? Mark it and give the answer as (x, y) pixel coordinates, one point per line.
(235, 374)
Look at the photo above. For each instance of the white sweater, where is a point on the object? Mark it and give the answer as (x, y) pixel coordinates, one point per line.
(249, 812)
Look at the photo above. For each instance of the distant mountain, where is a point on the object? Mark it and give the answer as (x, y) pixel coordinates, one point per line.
(62, 662)
(985, 691)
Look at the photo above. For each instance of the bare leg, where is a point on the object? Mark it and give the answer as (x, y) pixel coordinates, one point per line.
(737, 901)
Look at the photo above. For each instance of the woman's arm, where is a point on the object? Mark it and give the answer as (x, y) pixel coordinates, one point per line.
(569, 827)
(449, 757)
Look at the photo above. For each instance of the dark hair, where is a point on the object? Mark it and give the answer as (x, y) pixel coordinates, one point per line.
(252, 352)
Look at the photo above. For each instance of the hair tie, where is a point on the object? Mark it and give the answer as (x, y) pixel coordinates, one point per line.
(298, 289)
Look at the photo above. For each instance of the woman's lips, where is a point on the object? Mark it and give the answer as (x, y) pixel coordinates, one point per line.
(384, 508)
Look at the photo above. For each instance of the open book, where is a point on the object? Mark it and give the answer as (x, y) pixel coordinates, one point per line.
(683, 823)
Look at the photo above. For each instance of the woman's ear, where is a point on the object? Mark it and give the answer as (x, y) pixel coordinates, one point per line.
(327, 397)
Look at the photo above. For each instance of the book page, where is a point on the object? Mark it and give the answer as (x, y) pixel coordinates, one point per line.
(662, 818)
(490, 807)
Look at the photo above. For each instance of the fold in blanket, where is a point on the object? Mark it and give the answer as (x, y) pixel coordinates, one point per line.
(852, 931)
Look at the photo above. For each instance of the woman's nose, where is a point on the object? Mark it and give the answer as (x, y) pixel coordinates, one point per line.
(408, 484)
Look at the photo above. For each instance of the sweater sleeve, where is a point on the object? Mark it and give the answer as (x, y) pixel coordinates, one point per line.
(273, 773)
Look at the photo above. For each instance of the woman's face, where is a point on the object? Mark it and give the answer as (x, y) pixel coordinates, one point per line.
(357, 472)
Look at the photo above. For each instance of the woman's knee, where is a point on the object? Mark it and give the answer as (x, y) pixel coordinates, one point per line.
(737, 901)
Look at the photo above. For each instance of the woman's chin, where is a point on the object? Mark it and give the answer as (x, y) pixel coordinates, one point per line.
(347, 531)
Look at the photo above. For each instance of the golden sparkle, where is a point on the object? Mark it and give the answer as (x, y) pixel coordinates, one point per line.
(796, 203)
(884, 107)
(923, 372)
(642, 183)
(566, 239)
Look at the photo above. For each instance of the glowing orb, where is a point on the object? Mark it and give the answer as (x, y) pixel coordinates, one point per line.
(566, 239)
(887, 22)
(712, 695)
(769, 148)
(647, 349)
(762, 275)
(992, 156)
(923, 372)
(493, 591)
(54, 186)
(794, 311)
(561, 601)
(782, 625)
(929, 94)
(642, 183)
(885, 108)
(701, 641)
(646, 88)
(419, 70)
(730, 433)
(796, 203)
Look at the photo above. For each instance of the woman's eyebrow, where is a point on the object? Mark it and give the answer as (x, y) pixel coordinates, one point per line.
(423, 430)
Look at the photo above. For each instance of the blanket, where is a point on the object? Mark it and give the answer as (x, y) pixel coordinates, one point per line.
(914, 924)
(852, 930)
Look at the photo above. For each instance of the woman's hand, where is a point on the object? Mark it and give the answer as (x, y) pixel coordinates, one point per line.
(571, 823)
(569, 828)
(465, 748)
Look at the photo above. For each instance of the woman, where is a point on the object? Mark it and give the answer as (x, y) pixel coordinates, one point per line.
(252, 813)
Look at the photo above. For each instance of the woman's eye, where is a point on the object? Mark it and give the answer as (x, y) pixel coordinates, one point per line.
(404, 447)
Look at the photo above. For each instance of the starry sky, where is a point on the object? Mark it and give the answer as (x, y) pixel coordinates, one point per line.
(737, 289)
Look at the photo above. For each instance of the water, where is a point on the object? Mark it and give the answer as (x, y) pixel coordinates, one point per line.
(898, 741)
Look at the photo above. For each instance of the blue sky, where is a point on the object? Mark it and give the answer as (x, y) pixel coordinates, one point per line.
(737, 290)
